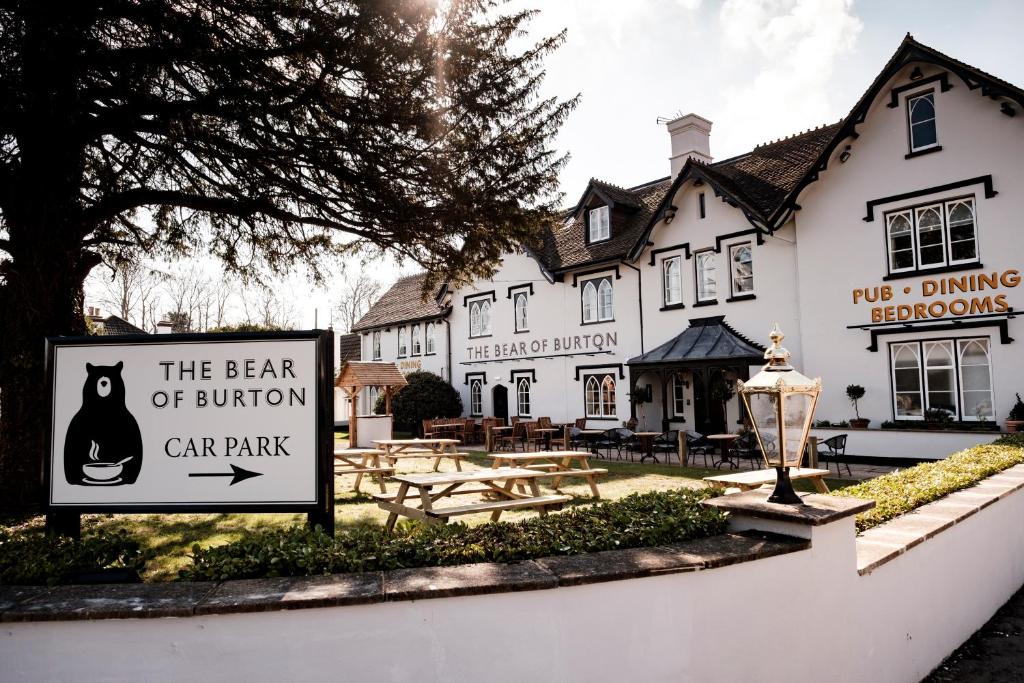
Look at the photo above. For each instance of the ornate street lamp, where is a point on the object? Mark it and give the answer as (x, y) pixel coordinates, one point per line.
(781, 402)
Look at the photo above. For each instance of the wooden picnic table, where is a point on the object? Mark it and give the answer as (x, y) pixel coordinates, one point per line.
(433, 487)
(647, 444)
(345, 462)
(558, 464)
(393, 450)
(745, 481)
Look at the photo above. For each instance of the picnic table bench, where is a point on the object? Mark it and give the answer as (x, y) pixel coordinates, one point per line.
(745, 481)
(345, 462)
(436, 486)
(557, 464)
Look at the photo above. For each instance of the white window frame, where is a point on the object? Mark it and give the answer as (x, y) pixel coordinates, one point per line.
(678, 395)
(599, 229)
(523, 390)
(476, 397)
(521, 311)
(700, 258)
(936, 209)
(672, 282)
(926, 346)
(430, 344)
(734, 265)
(597, 300)
(958, 345)
(375, 345)
(416, 340)
(606, 410)
(480, 318)
(403, 347)
(930, 95)
(943, 208)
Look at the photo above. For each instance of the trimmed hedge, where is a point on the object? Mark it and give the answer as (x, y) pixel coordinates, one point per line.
(37, 559)
(640, 519)
(900, 492)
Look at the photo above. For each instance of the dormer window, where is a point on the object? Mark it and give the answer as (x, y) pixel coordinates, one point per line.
(921, 120)
(598, 223)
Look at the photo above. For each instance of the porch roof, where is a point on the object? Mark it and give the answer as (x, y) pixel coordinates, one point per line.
(706, 340)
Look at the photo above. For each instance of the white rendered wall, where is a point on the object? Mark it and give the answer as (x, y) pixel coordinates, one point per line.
(894, 443)
(795, 617)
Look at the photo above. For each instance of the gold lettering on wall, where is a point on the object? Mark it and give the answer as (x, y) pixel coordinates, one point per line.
(969, 292)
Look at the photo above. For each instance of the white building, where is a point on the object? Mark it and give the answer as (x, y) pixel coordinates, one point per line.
(886, 246)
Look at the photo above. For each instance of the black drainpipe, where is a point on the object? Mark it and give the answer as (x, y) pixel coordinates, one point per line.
(448, 330)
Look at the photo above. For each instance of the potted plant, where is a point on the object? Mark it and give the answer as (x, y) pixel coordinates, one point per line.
(855, 392)
(937, 418)
(1015, 420)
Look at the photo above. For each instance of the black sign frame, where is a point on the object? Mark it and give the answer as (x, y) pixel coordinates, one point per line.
(65, 519)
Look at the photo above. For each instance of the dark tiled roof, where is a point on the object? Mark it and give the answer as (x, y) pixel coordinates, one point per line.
(350, 348)
(114, 325)
(764, 177)
(566, 247)
(706, 339)
(402, 303)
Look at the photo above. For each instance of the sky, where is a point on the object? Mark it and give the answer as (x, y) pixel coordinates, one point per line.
(758, 69)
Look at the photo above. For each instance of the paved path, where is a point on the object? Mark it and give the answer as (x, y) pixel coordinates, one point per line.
(994, 654)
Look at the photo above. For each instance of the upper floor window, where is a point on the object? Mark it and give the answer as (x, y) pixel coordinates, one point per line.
(597, 300)
(375, 343)
(480, 318)
(932, 236)
(403, 348)
(742, 259)
(431, 344)
(599, 227)
(921, 119)
(701, 207)
(417, 341)
(953, 376)
(599, 395)
(672, 274)
(522, 319)
(523, 396)
(705, 270)
(476, 397)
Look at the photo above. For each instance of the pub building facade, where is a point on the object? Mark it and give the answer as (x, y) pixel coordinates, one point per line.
(886, 245)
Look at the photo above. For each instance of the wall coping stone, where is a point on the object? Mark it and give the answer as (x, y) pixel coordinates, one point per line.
(818, 509)
(889, 540)
(183, 599)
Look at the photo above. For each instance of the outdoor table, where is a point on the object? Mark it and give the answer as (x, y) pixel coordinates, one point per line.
(558, 464)
(489, 440)
(588, 436)
(647, 444)
(547, 432)
(724, 440)
(745, 481)
(433, 487)
(368, 463)
(393, 449)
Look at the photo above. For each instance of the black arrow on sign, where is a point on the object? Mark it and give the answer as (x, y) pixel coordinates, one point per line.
(237, 474)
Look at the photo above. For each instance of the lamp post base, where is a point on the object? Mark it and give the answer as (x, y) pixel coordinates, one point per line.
(784, 492)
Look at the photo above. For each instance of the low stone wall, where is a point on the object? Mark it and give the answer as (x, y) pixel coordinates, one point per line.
(788, 594)
(910, 444)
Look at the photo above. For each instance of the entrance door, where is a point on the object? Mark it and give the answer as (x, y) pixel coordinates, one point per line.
(708, 407)
(499, 399)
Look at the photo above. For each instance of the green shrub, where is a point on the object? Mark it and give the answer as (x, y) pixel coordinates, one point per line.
(1017, 411)
(900, 492)
(634, 521)
(425, 397)
(34, 558)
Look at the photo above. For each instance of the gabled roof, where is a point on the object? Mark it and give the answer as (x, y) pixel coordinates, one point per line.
(706, 339)
(350, 348)
(565, 247)
(358, 374)
(114, 325)
(403, 303)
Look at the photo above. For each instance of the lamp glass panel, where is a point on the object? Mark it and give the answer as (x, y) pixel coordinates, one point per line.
(797, 417)
(764, 413)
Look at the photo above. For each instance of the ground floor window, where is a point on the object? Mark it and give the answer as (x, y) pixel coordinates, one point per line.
(949, 375)
(371, 398)
(599, 395)
(523, 396)
(476, 397)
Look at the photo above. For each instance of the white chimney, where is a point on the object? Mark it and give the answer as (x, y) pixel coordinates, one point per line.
(691, 139)
(164, 327)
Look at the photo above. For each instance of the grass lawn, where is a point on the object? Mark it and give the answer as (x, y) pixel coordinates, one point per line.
(167, 539)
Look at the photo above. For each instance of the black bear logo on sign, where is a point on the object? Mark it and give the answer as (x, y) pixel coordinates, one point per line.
(103, 446)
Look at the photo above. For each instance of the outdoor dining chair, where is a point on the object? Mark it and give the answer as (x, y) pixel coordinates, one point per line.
(745, 447)
(627, 441)
(606, 441)
(835, 451)
(667, 443)
(696, 445)
(531, 437)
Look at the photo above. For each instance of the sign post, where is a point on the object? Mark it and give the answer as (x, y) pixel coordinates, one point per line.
(190, 423)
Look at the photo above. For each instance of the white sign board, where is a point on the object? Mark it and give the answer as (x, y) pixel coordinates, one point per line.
(194, 422)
